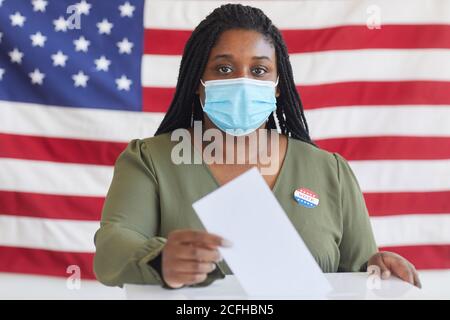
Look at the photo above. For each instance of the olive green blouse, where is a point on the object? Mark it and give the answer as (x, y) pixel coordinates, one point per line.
(150, 196)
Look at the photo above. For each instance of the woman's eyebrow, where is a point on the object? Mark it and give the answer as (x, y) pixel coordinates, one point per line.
(223, 56)
(230, 57)
(261, 57)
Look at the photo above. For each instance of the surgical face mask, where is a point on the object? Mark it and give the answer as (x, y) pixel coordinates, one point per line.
(239, 106)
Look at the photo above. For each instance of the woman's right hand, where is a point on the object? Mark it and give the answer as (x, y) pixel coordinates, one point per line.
(189, 255)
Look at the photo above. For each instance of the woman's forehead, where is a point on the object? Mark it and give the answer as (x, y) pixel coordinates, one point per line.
(240, 44)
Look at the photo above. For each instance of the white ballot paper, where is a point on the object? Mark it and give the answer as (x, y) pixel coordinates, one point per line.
(268, 256)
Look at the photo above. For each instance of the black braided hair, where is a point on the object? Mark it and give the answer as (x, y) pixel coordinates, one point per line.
(185, 105)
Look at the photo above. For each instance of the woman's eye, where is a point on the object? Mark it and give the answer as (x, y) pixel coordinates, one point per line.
(224, 69)
(259, 71)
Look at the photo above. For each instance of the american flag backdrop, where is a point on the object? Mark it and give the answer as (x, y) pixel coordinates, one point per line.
(374, 78)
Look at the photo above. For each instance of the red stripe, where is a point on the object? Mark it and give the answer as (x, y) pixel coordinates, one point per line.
(360, 148)
(156, 99)
(375, 93)
(45, 262)
(55, 263)
(163, 41)
(389, 148)
(172, 42)
(89, 208)
(397, 203)
(51, 206)
(424, 257)
(361, 37)
(59, 149)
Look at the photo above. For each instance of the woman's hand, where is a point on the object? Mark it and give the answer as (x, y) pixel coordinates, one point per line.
(392, 263)
(188, 256)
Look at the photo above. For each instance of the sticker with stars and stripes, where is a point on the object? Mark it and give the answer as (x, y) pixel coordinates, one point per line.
(306, 198)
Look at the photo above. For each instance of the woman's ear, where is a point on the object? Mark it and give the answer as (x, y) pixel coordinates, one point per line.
(198, 89)
(277, 94)
(200, 92)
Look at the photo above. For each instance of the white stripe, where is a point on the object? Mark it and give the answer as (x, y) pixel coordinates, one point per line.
(405, 230)
(77, 123)
(371, 121)
(187, 15)
(93, 180)
(402, 175)
(54, 178)
(324, 123)
(160, 70)
(50, 234)
(371, 65)
(330, 66)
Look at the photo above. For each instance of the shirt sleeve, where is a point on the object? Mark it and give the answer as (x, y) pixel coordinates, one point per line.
(357, 243)
(126, 241)
(128, 248)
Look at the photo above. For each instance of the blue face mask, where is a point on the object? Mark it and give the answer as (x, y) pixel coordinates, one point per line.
(239, 106)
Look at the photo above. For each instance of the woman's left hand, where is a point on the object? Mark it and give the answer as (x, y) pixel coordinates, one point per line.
(392, 263)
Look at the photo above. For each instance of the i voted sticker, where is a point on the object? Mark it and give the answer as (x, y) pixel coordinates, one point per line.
(306, 198)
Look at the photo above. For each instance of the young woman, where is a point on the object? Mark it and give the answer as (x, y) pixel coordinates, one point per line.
(235, 75)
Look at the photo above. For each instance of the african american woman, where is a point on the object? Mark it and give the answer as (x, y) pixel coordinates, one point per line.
(235, 76)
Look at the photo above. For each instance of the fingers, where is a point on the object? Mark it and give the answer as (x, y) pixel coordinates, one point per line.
(189, 252)
(377, 260)
(392, 263)
(403, 271)
(186, 279)
(187, 265)
(189, 255)
(399, 266)
(200, 238)
(193, 267)
(417, 282)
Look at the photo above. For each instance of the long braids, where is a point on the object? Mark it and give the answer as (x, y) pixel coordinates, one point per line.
(185, 105)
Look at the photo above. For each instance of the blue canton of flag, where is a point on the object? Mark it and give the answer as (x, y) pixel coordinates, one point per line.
(77, 54)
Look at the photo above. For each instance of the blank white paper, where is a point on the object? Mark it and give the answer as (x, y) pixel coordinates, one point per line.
(268, 256)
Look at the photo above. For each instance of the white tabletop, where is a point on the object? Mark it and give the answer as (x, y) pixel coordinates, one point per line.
(15, 286)
(346, 286)
(436, 285)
